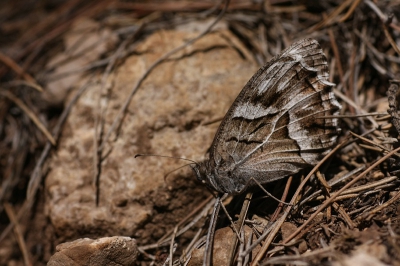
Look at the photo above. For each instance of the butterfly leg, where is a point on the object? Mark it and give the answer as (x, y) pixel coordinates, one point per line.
(266, 192)
(211, 231)
(239, 225)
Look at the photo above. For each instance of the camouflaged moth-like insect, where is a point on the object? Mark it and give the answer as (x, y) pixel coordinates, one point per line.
(276, 125)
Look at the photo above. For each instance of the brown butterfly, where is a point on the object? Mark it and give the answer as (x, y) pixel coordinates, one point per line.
(276, 125)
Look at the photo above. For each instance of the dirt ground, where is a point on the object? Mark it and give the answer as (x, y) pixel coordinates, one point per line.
(88, 85)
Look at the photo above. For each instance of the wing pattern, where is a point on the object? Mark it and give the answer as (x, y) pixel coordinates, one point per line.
(275, 127)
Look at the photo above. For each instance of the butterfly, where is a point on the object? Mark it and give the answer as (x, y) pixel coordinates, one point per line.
(276, 125)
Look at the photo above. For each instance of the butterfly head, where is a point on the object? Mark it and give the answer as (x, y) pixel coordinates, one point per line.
(215, 179)
(206, 176)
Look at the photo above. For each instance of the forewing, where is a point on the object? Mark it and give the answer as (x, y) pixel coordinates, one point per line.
(274, 127)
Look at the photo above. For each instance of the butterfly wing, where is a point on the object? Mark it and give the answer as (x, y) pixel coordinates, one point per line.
(274, 127)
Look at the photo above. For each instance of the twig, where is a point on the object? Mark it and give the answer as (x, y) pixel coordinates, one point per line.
(189, 248)
(36, 45)
(99, 122)
(350, 11)
(353, 104)
(339, 192)
(381, 147)
(376, 9)
(337, 55)
(119, 117)
(172, 247)
(239, 225)
(390, 39)
(290, 259)
(344, 214)
(14, 83)
(18, 233)
(393, 105)
(16, 68)
(331, 183)
(210, 233)
(369, 215)
(275, 228)
(386, 21)
(207, 203)
(283, 199)
(36, 176)
(331, 17)
(29, 113)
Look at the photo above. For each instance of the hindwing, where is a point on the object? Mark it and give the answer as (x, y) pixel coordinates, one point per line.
(276, 125)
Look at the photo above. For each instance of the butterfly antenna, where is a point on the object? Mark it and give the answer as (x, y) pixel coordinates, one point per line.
(171, 157)
(167, 174)
(165, 156)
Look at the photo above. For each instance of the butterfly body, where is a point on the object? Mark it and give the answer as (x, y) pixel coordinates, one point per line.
(276, 125)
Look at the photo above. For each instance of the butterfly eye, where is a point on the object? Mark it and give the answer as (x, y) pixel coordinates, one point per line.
(203, 181)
